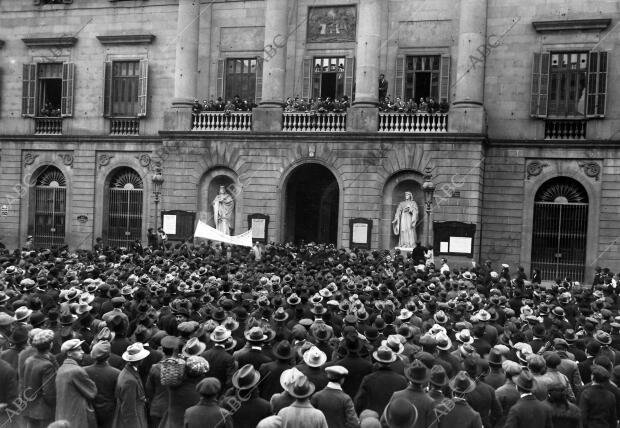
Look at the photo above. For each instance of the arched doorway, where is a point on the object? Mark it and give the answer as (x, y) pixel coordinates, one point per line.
(50, 205)
(560, 229)
(123, 205)
(312, 198)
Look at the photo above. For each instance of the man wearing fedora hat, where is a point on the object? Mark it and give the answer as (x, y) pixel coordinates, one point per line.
(357, 366)
(460, 413)
(312, 364)
(221, 363)
(333, 402)
(130, 395)
(252, 352)
(528, 412)
(418, 376)
(75, 390)
(377, 387)
(301, 414)
(250, 408)
(270, 372)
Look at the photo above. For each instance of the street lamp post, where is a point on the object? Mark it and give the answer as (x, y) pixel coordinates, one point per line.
(429, 189)
(158, 181)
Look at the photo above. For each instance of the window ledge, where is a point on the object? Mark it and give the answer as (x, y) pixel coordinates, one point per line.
(571, 25)
(126, 39)
(41, 42)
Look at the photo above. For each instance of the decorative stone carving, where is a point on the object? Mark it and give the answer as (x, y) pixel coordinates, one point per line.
(29, 158)
(145, 160)
(67, 158)
(591, 169)
(104, 159)
(535, 168)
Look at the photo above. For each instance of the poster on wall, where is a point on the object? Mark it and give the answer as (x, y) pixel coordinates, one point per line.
(360, 230)
(331, 24)
(259, 225)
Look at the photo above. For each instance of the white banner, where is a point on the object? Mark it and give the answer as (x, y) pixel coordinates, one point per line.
(205, 231)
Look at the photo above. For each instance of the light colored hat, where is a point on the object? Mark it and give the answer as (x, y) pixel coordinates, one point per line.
(135, 352)
(70, 345)
(314, 357)
(41, 337)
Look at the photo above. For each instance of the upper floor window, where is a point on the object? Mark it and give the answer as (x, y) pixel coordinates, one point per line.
(47, 89)
(241, 77)
(569, 84)
(126, 84)
(422, 77)
(328, 77)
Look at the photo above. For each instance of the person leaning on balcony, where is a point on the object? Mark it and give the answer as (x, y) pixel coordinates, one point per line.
(412, 106)
(432, 105)
(444, 106)
(423, 106)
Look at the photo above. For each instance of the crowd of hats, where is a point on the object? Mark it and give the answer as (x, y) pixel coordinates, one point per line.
(200, 294)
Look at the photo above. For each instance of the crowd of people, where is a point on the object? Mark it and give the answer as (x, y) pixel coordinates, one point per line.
(203, 335)
(317, 105)
(424, 105)
(227, 106)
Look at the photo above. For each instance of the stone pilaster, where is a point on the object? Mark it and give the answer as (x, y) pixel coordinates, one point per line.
(268, 115)
(363, 116)
(186, 60)
(467, 113)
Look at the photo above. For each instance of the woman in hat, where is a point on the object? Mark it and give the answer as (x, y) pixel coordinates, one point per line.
(301, 414)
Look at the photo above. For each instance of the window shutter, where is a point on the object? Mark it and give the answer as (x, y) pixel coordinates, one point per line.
(107, 88)
(258, 91)
(399, 78)
(306, 83)
(540, 85)
(444, 78)
(349, 72)
(597, 84)
(68, 84)
(143, 87)
(220, 78)
(29, 87)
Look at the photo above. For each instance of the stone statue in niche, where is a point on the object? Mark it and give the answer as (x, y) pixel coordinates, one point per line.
(224, 211)
(405, 221)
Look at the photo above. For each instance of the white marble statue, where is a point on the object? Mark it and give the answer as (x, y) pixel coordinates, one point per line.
(224, 211)
(405, 221)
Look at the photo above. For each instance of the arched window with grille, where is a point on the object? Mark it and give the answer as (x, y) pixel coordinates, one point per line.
(123, 208)
(47, 221)
(560, 229)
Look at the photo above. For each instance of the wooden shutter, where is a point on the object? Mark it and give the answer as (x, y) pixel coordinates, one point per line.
(444, 78)
(349, 76)
(597, 84)
(68, 84)
(306, 83)
(107, 88)
(29, 90)
(540, 85)
(143, 87)
(258, 91)
(220, 78)
(399, 78)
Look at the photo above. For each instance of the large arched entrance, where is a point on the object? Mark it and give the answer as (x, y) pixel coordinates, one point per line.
(560, 229)
(123, 208)
(49, 200)
(312, 199)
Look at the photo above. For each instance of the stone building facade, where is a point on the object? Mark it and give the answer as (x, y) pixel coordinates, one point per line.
(524, 164)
